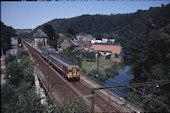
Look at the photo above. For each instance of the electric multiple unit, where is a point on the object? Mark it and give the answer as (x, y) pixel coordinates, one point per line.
(68, 69)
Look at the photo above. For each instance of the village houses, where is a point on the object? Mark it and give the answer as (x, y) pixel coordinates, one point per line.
(68, 43)
(106, 47)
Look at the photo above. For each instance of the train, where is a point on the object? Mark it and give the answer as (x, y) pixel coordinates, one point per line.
(66, 68)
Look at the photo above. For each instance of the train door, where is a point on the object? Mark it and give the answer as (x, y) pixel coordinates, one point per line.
(74, 71)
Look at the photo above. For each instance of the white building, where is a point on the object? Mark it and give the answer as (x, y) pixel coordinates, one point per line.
(40, 37)
(103, 40)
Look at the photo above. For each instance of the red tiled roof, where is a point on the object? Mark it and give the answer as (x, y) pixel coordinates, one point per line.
(115, 48)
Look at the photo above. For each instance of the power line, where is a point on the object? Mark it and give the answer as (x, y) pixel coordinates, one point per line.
(124, 86)
(155, 99)
(133, 85)
(146, 94)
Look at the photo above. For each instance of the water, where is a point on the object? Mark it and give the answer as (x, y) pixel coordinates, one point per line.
(121, 79)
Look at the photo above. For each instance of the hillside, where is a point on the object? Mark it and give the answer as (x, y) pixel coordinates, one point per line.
(128, 25)
(18, 31)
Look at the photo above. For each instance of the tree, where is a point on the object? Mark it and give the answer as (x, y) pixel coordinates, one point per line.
(98, 36)
(52, 37)
(13, 73)
(48, 29)
(21, 53)
(9, 58)
(71, 31)
(18, 93)
(6, 34)
(151, 55)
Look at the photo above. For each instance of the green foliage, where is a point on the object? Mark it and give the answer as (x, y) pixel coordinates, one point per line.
(53, 43)
(152, 63)
(127, 25)
(52, 37)
(6, 34)
(25, 35)
(9, 58)
(73, 106)
(61, 40)
(49, 31)
(7, 91)
(72, 55)
(151, 59)
(104, 71)
(19, 99)
(27, 99)
(71, 31)
(18, 92)
(22, 53)
(89, 56)
(13, 73)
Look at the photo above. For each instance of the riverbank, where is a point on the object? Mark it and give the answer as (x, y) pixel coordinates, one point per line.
(122, 78)
(105, 69)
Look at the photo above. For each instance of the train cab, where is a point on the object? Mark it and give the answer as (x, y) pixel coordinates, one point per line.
(73, 73)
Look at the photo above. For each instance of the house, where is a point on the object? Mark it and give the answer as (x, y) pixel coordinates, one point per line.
(84, 41)
(40, 37)
(84, 37)
(105, 49)
(103, 40)
(14, 41)
(83, 44)
(68, 43)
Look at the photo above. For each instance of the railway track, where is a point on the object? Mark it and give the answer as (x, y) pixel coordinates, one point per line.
(61, 89)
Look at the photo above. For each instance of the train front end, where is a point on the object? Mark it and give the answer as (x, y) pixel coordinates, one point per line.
(73, 73)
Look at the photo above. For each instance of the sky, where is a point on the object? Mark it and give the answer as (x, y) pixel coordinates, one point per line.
(23, 15)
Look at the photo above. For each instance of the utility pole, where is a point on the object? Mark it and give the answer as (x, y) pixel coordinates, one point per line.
(97, 75)
(48, 74)
(92, 101)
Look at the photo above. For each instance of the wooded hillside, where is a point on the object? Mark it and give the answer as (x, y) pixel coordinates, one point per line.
(128, 25)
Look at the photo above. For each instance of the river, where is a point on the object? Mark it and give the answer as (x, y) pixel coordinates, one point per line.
(121, 79)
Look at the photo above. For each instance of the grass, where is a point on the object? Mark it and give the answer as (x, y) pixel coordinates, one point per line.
(107, 69)
(104, 63)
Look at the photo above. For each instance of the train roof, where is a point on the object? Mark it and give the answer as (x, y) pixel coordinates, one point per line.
(49, 50)
(58, 57)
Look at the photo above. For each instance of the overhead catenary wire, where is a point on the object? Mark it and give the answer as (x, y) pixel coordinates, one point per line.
(147, 95)
(123, 86)
(130, 97)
